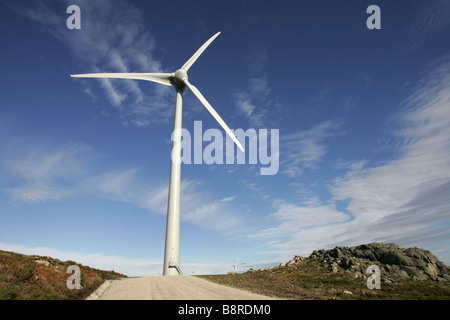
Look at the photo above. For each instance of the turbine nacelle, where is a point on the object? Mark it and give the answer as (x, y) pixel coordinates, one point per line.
(179, 79)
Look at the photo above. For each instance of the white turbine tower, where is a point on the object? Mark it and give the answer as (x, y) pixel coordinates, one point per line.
(178, 79)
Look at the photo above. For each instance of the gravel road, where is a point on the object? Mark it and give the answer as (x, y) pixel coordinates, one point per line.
(171, 288)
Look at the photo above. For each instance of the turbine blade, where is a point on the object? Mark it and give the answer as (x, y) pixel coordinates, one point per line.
(197, 54)
(214, 113)
(163, 78)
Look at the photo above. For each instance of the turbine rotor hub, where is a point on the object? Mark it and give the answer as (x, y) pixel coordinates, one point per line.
(179, 78)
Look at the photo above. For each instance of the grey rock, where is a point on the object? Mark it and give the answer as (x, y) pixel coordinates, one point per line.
(379, 253)
(395, 263)
(419, 263)
(347, 292)
(398, 258)
(402, 273)
(421, 254)
(443, 269)
(431, 270)
(415, 273)
(348, 262)
(336, 253)
(291, 263)
(365, 253)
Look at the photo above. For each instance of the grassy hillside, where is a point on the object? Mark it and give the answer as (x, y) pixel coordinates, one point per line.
(24, 277)
(309, 280)
(325, 274)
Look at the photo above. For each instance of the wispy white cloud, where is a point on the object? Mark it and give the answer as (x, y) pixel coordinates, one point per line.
(35, 170)
(403, 200)
(254, 107)
(34, 194)
(244, 104)
(40, 161)
(113, 38)
(114, 96)
(198, 206)
(38, 171)
(421, 164)
(304, 149)
(255, 101)
(336, 95)
(291, 218)
(218, 215)
(430, 19)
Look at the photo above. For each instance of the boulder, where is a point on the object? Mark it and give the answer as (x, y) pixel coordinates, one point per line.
(348, 262)
(431, 270)
(421, 254)
(415, 273)
(394, 261)
(397, 258)
(379, 253)
(336, 253)
(443, 269)
(365, 253)
(401, 273)
(291, 263)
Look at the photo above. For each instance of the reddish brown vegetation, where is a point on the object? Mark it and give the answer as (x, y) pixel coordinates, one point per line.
(41, 278)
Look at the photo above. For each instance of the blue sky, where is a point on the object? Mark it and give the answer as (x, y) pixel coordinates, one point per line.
(363, 118)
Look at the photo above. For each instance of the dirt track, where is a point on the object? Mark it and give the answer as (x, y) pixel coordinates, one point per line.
(173, 288)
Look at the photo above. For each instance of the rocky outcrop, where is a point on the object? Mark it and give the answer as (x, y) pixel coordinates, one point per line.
(395, 263)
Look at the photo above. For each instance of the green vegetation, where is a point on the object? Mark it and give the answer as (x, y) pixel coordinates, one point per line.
(24, 277)
(309, 280)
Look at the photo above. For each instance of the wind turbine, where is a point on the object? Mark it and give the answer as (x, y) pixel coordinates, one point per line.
(235, 265)
(179, 80)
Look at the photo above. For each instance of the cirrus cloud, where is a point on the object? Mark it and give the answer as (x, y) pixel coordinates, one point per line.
(403, 200)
